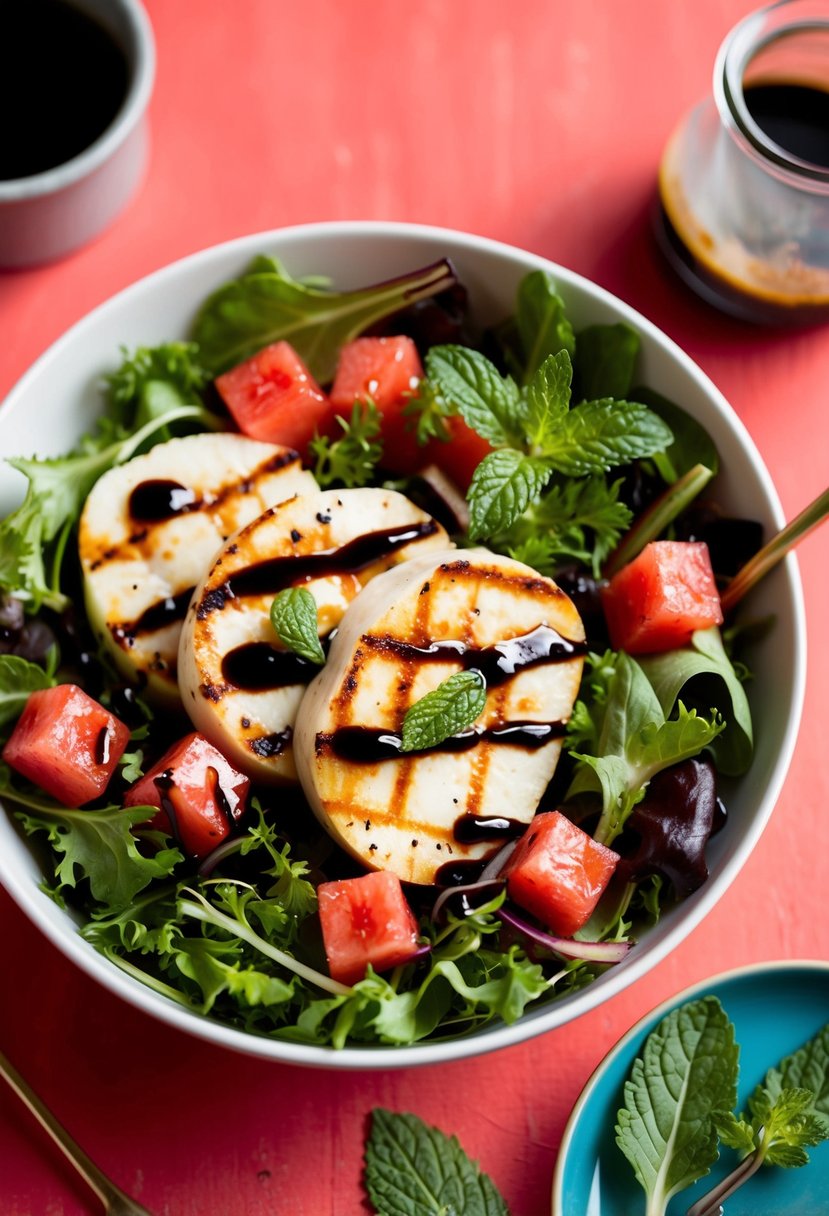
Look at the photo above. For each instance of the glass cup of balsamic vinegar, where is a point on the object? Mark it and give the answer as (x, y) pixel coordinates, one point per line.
(744, 180)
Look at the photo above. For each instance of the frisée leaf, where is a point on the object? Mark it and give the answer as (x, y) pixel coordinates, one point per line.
(96, 844)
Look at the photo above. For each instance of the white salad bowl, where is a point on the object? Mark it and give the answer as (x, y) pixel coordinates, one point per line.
(59, 398)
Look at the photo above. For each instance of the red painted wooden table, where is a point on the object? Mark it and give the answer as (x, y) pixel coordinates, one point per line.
(540, 124)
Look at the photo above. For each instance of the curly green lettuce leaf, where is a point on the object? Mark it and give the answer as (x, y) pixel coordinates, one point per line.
(19, 678)
(94, 844)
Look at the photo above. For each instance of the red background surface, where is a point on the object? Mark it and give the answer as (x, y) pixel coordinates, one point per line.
(541, 124)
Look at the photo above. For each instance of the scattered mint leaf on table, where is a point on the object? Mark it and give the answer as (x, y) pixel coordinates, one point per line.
(416, 1170)
(686, 1072)
(294, 618)
(451, 707)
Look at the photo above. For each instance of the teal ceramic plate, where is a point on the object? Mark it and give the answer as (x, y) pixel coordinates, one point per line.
(775, 1008)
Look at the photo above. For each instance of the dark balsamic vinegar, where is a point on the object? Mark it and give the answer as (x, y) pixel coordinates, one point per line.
(794, 116)
(63, 79)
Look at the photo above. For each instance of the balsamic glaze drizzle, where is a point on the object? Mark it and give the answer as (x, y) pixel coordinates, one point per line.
(370, 745)
(275, 574)
(496, 663)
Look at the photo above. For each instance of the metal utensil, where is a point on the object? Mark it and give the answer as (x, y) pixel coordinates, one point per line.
(115, 1202)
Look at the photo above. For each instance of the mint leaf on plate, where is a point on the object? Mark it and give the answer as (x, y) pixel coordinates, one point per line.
(685, 1073)
(449, 708)
(294, 617)
(416, 1170)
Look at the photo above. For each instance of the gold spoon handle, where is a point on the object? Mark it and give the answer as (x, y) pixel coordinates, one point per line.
(115, 1202)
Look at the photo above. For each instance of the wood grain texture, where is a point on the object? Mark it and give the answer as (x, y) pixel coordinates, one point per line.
(541, 124)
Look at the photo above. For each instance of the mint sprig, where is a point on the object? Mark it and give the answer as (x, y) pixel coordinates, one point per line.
(535, 430)
(294, 618)
(416, 1170)
(451, 707)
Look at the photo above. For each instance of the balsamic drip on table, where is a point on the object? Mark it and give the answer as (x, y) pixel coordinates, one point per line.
(64, 79)
(370, 744)
(275, 574)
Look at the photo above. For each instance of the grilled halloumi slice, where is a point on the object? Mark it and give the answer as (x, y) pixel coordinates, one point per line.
(150, 529)
(239, 684)
(419, 812)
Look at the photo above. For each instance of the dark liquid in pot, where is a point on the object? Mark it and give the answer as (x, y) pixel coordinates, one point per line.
(63, 79)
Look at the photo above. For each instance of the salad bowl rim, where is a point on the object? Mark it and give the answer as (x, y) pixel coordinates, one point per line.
(33, 901)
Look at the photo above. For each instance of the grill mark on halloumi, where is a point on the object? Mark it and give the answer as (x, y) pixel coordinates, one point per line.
(141, 543)
(245, 686)
(409, 631)
(138, 575)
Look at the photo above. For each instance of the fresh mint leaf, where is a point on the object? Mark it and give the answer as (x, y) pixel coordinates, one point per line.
(294, 617)
(351, 459)
(598, 435)
(548, 400)
(607, 357)
(789, 1126)
(806, 1068)
(267, 305)
(472, 386)
(685, 1073)
(19, 678)
(451, 707)
(541, 320)
(503, 486)
(702, 674)
(413, 1169)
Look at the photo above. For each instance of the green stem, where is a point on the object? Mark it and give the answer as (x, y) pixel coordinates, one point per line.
(653, 522)
(204, 911)
(775, 551)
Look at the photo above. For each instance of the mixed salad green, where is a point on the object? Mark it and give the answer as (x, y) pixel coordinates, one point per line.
(581, 465)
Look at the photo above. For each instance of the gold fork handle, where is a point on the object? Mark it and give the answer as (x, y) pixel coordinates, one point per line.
(115, 1201)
